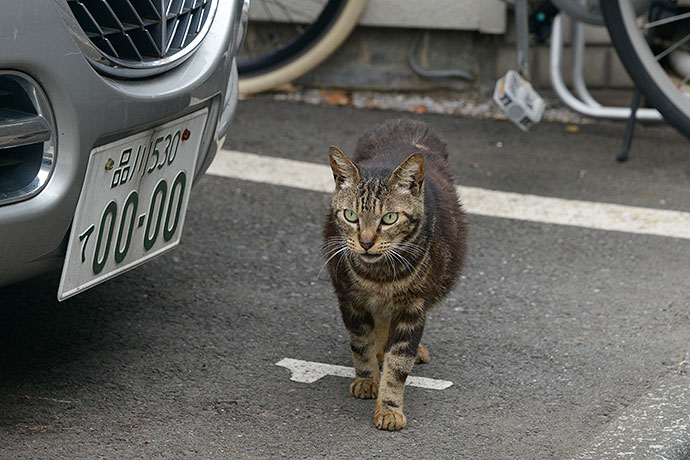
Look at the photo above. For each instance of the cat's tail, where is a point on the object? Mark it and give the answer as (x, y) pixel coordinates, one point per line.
(407, 131)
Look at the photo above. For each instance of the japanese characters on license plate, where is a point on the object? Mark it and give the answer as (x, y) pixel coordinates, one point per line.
(133, 202)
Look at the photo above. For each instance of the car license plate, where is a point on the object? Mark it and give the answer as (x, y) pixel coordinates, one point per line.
(133, 202)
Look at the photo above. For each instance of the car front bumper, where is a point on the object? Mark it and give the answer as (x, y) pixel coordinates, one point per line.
(40, 39)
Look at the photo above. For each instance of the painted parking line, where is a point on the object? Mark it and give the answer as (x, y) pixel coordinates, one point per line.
(484, 202)
(310, 372)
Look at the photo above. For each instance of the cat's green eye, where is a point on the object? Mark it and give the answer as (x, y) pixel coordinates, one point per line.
(390, 218)
(350, 215)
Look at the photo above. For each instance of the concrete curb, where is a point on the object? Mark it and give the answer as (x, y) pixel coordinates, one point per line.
(481, 107)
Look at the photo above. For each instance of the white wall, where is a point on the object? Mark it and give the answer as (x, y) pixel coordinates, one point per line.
(487, 16)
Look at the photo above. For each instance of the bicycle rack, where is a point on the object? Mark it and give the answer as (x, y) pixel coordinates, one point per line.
(585, 104)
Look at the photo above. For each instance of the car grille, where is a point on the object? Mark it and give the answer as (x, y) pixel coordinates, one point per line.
(141, 34)
(26, 138)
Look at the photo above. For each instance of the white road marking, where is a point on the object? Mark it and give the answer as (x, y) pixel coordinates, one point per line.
(587, 214)
(310, 372)
(657, 426)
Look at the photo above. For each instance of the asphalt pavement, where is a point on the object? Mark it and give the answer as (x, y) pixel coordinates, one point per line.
(554, 339)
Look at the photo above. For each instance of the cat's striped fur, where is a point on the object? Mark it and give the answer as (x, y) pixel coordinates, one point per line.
(386, 276)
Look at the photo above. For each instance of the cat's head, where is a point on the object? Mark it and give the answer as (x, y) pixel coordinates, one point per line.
(377, 213)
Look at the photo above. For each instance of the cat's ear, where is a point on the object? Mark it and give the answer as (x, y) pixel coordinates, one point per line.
(409, 176)
(345, 172)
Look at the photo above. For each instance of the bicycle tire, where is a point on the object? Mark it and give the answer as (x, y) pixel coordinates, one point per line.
(591, 13)
(642, 66)
(318, 42)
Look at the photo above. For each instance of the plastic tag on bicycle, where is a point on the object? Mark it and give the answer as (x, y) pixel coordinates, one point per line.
(518, 100)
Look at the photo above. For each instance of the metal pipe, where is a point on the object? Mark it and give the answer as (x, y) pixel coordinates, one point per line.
(578, 46)
(522, 37)
(434, 74)
(555, 58)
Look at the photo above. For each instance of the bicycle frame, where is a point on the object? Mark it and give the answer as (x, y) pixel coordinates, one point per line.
(585, 104)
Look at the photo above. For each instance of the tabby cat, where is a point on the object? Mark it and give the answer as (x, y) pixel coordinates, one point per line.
(395, 243)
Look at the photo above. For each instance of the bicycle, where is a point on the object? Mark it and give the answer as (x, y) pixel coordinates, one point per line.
(652, 60)
(645, 34)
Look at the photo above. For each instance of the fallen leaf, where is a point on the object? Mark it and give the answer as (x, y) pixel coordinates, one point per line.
(338, 98)
(572, 129)
(474, 165)
(421, 108)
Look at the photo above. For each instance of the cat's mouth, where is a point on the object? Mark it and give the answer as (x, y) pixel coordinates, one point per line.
(370, 258)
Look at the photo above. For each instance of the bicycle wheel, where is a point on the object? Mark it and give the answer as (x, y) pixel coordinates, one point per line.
(650, 62)
(303, 34)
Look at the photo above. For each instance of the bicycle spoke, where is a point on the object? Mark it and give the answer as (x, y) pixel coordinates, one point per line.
(277, 38)
(290, 11)
(683, 82)
(672, 48)
(668, 20)
(264, 7)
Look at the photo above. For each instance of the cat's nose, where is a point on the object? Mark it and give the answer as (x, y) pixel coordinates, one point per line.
(366, 244)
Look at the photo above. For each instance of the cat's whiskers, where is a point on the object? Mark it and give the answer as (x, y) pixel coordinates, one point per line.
(337, 251)
(336, 241)
(402, 259)
(390, 260)
(414, 273)
(411, 248)
(329, 252)
(345, 254)
(333, 244)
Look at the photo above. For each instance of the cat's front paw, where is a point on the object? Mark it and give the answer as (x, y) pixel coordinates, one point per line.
(389, 419)
(364, 389)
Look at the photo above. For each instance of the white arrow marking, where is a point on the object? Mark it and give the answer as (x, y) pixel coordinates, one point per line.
(310, 372)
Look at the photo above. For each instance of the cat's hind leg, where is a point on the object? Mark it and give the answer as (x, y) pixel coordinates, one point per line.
(422, 355)
(360, 327)
(382, 338)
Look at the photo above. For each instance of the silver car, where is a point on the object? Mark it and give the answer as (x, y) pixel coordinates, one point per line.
(109, 111)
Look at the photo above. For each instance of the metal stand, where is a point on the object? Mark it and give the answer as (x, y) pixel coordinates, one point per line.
(629, 128)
